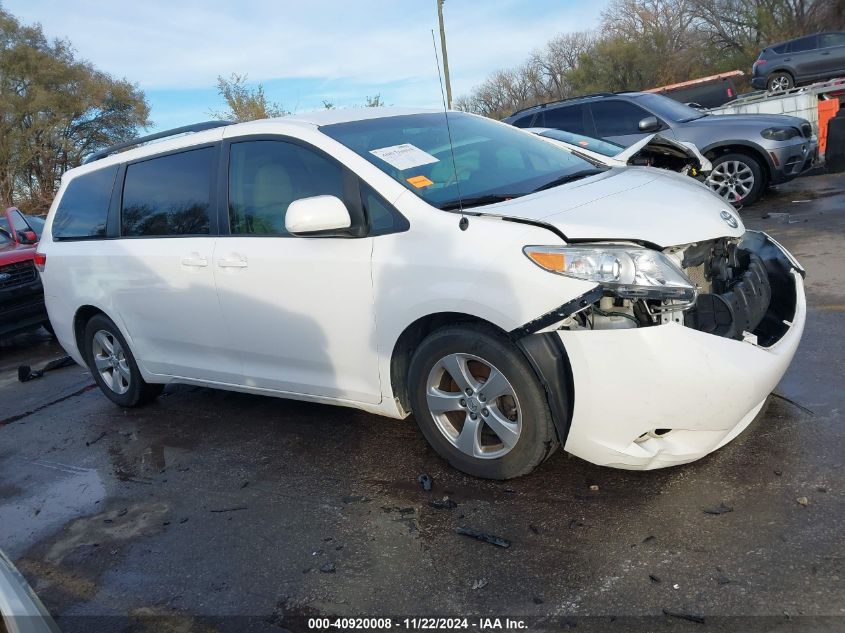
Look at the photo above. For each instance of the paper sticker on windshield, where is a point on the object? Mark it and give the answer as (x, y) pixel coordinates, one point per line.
(405, 156)
(420, 181)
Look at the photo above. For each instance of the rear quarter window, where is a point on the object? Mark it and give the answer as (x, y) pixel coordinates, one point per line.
(84, 207)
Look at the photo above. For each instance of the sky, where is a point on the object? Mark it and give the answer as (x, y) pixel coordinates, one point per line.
(303, 52)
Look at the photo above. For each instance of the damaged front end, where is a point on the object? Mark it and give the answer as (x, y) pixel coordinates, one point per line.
(737, 288)
(665, 153)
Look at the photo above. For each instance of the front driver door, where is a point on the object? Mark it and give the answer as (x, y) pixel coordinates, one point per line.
(618, 121)
(299, 309)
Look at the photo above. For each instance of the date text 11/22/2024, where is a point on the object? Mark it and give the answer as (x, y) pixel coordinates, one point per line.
(416, 624)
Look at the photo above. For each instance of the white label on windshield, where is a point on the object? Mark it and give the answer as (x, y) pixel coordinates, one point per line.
(405, 156)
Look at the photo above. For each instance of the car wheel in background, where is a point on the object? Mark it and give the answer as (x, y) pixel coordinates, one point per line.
(479, 403)
(113, 365)
(738, 178)
(780, 81)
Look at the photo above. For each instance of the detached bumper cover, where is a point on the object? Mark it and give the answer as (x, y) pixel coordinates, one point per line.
(704, 388)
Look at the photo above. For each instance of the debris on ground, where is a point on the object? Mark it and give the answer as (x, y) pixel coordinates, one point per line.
(778, 472)
(96, 439)
(654, 579)
(534, 528)
(498, 541)
(443, 504)
(425, 481)
(690, 617)
(27, 373)
(723, 580)
(575, 523)
(722, 508)
(676, 586)
(649, 538)
(803, 501)
(235, 509)
(594, 487)
(328, 568)
(479, 584)
(780, 217)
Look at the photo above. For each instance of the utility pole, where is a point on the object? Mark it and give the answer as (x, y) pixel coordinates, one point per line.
(445, 56)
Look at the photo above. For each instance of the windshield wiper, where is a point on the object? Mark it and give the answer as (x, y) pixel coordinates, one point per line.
(478, 201)
(578, 175)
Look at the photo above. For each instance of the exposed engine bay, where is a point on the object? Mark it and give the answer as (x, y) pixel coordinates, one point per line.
(663, 153)
(744, 291)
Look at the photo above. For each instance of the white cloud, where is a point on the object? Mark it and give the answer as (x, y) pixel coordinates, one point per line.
(187, 44)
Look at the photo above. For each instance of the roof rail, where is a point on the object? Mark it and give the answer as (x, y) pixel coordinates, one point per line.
(548, 103)
(196, 127)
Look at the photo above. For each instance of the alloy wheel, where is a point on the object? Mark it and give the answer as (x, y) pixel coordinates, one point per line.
(779, 83)
(733, 180)
(474, 406)
(110, 361)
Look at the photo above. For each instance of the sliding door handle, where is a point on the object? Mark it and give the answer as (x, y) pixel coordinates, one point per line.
(195, 260)
(232, 262)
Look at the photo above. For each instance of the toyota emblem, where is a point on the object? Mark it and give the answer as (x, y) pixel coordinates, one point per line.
(729, 219)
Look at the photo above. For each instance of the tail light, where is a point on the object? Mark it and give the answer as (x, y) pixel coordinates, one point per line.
(759, 62)
(40, 261)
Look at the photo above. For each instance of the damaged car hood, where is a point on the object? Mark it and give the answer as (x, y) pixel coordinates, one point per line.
(632, 203)
(657, 144)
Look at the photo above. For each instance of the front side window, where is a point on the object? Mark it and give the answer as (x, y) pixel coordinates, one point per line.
(84, 207)
(484, 162)
(169, 195)
(829, 40)
(617, 118)
(266, 176)
(667, 108)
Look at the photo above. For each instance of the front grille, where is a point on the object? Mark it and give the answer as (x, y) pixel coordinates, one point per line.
(806, 130)
(17, 274)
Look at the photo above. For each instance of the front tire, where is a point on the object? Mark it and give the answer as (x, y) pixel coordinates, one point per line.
(738, 178)
(113, 366)
(479, 403)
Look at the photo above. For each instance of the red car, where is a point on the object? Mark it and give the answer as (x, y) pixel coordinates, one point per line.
(21, 294)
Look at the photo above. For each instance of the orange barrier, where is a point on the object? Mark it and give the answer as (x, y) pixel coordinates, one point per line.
(827, 110)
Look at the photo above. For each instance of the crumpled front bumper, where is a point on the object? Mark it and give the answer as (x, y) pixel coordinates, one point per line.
(704, 388)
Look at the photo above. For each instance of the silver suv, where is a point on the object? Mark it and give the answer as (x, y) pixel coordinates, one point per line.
(749, 151)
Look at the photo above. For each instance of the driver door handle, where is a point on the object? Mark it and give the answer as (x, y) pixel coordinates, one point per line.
(235, 261)
(195, 260)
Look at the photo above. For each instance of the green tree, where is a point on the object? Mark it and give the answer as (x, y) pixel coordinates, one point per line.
(243, 102)
(54, 110)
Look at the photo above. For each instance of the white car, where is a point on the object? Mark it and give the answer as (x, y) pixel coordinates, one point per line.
(510, 294)
(653, 150)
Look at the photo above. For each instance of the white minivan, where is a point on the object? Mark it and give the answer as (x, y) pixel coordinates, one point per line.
(511, 295)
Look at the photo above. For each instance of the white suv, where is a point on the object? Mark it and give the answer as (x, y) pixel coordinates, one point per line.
(510, 294)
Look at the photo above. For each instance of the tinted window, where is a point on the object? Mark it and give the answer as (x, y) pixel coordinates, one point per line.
(84, 207)
(832, 39)
(804, 44)
(266, 176)
(170, 195)
(383, 218)
(5, 240)
(569, 118)
(667, 108)
(524, 121)
(780, 50)
(616, 118)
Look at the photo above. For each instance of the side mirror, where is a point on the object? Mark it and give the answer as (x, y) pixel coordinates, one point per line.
(29, 237)
(308, 216)
(649, 124)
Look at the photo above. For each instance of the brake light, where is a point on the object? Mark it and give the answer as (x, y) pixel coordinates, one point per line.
(40, 261)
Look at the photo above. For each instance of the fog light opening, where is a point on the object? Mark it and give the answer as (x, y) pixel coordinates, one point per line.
(653, 434)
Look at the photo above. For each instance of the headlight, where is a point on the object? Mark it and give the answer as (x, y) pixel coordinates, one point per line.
(627, 272)
(780, 133)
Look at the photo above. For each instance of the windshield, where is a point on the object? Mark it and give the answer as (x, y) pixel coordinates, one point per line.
(605, 148)
(667, 108)
(493, 161)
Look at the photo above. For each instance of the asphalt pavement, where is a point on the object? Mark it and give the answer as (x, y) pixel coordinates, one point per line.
(215, 511)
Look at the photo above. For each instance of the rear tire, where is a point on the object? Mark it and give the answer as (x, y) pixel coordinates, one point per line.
(478, 372)
(737, 178)
(780, 81)
(113, 366)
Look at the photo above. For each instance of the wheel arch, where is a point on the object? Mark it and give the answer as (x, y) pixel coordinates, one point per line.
(713, 151)
(80, 319)
(545, 353)
(412, 336)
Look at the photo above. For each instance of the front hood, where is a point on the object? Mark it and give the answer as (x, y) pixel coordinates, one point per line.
(630, 203)
(759, 121)
(655, 146)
